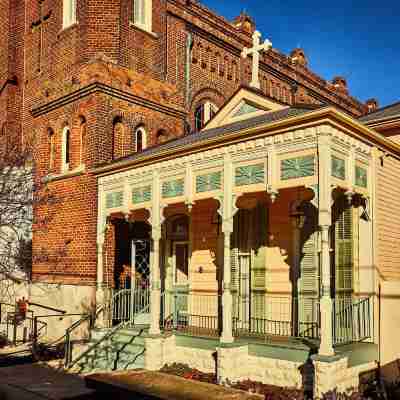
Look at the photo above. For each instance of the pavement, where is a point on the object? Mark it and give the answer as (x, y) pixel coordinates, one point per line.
(37, 382)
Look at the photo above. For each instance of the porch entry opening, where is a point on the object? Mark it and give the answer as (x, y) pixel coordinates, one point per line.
(132, 272)
(248, 270)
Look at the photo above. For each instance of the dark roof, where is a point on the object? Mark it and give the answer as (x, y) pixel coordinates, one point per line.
(390, 111)
(220, 131)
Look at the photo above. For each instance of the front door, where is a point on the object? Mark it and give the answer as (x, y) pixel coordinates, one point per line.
(180, 257)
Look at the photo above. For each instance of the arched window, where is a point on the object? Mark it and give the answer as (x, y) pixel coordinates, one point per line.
(203, 113)
(69, 13)
(142, 14)
(52, 148)
(82, 140)
(66, 149)
(140, 139)
(162, 136)
(118, 138)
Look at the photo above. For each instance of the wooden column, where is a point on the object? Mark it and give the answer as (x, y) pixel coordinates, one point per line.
(325, 222)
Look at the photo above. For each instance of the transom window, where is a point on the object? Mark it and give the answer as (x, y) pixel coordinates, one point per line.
(69, 13)
(142, 14)
(204, 112)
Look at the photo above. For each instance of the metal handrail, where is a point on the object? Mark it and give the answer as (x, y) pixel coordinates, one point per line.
(68, 344)
(106, 337)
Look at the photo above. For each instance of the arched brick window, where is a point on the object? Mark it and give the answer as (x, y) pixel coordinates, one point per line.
(162, 136)
(82, 138)
(203, 113)
(66, 149)
(118, 138)
(52, 148)
(140, 139)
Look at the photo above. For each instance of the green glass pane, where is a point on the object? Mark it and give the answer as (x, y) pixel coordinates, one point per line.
(298, 167)
(141, 195)
(208, 182)
(361, 177)
(249, 175)
(338, 168)
(114, 200)
(173, 188)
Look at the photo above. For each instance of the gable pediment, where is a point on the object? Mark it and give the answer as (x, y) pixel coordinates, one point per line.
(244, 104)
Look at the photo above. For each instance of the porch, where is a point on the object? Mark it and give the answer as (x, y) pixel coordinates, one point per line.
(258, 239)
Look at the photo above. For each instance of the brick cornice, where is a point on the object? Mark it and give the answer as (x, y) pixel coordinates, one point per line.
(9, 81)
(302, 77)
(102, 88)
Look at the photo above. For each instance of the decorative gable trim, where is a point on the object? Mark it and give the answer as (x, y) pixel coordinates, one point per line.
(244, 104)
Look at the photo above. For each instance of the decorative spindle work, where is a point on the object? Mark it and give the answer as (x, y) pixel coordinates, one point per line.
(141, 195)
(249, 175)
(172, 189)
(338, 168)
(299, 167)
(209, 182)
(361, 177)
(114, 199)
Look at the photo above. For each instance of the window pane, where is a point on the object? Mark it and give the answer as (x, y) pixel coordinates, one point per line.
(199, 117)
(67, 147)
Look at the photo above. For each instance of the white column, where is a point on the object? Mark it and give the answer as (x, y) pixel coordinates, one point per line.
(156, 221)
(227, 211)
(101, 234)
(325, 221)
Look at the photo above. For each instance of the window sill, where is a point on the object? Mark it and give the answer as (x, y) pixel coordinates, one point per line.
(144, 30)
(66, 29)
(64, 175)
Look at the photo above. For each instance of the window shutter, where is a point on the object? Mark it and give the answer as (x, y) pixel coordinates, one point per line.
(344, 253)
(309, 280)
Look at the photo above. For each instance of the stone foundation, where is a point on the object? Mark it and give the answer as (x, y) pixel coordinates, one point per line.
(333, 373)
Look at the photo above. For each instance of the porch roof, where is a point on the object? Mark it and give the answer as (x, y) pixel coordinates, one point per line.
(275, 119)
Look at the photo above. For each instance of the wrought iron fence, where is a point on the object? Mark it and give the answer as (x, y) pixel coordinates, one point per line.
(192, 313)
(351, 320)
(126, 303)
(266, 315)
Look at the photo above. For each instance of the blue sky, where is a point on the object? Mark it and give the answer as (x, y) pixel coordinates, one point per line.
(359, 40)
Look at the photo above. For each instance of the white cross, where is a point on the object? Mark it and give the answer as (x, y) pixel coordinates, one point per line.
(255, 51)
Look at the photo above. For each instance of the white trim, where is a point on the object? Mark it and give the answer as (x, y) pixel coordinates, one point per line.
(144, 21)
(69, 13)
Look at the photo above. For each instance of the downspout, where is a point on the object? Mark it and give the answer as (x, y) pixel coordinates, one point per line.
(189, 43)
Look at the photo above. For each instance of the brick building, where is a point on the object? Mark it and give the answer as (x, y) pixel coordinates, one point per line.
(99, 83)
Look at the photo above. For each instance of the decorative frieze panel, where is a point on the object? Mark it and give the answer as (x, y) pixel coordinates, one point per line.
(172, 189)
(338, 168)
(141, 195)
(114, 199)
(209, 182)
(361, 179)
(249, 175)
(299, 167)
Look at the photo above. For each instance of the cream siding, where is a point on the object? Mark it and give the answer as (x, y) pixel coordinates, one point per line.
(388, 218)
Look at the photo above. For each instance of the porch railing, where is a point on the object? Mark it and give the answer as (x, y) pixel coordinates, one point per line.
(351, 320)
(127, 303)
(193, 314)
(261, 315)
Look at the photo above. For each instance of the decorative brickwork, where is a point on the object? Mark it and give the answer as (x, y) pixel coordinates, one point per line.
(103, 77)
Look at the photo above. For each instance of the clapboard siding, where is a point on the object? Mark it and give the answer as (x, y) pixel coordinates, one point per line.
(388, 218)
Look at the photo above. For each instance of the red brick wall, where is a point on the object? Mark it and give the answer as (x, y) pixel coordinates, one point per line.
(104, 47)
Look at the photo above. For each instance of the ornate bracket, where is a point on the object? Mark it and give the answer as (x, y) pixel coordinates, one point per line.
(273, 193)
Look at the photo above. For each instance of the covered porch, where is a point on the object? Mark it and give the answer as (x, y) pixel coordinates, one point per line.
(255, 240)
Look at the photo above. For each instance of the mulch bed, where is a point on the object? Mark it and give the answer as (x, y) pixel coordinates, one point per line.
(269, 391)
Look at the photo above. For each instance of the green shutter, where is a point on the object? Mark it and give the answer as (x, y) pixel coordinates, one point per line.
(344, 253)
(309, 280)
